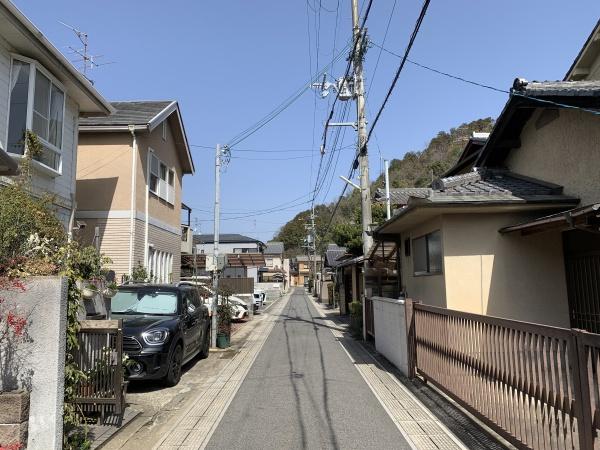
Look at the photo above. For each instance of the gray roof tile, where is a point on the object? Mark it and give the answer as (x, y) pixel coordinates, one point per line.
(400, 196)
(274, 248)
(225, 238)
(585, 88)
(487, 184)
(129, 113)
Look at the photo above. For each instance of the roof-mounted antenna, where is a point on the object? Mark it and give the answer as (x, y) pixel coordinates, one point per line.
(87, 61)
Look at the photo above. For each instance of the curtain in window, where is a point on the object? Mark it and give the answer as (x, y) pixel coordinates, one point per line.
(19, 95)
(57, 101)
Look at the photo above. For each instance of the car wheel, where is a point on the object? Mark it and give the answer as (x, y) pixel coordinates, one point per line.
(205, 345)
(174, 372)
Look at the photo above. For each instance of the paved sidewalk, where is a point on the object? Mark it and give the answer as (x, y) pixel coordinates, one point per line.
(195, 425)
(426, 418)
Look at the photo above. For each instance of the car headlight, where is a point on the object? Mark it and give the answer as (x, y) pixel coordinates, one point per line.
(155, 337)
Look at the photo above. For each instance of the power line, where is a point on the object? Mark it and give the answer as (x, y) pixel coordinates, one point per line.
(402, 63)
(387, 28)
(350, 59)
(282, 106)
(490, 87)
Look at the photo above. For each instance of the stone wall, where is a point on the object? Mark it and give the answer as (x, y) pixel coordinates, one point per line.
(37, 365)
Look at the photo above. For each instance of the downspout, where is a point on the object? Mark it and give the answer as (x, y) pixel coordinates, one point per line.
(146, 217)
(134, 150)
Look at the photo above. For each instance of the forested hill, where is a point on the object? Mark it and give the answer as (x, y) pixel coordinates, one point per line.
(415, 169)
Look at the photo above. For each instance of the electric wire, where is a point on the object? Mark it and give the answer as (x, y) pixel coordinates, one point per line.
(387, 29)
(402, 63)
(243, 135)
(492, 88)
(350, 59)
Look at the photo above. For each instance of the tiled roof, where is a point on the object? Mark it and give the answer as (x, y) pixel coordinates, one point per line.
(487, 184)
(246, 260)
(225, 238)
(274, 248)
(332, 253)
(400, 196)
(587, 88)
(129, 113)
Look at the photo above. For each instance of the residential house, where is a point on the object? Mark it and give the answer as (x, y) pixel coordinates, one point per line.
(328, 273)
(276, 266)
(515, 234)
(41, 91)
(232, 246)
(129, 181)
(228, 243)
(304, 265)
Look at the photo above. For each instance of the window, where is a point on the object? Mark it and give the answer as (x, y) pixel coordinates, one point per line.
(37, 103)
(427, 254)
(164, 130)
(162, 179)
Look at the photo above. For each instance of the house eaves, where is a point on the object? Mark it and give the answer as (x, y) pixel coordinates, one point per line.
(580, 68)
(144, 116)
(26, 39)
(524, 99)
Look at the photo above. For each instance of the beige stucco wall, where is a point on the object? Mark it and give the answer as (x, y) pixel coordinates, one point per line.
(566, 152)
(512, 276)
(429, 289)
(166, 151)
(104, 172)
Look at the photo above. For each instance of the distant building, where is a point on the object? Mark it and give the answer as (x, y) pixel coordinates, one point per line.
(228, 243)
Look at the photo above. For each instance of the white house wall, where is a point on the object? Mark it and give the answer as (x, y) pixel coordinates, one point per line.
(61, 186)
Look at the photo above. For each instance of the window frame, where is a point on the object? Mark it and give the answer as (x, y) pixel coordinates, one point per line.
(163, 190)
(428, 271)
(35, 67)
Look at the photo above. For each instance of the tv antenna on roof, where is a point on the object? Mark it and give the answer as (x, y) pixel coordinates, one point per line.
(87, 61)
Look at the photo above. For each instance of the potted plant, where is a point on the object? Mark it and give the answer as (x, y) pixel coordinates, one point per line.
(88, 291)
(224, 315)
(110, 290)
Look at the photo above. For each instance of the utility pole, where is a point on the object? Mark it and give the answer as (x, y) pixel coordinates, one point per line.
(363, 159)
(314, 249)
(217, 213)
(388, 203)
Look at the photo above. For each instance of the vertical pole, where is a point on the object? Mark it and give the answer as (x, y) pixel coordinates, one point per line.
(363, 159)
(314, 249)
(217, 213)
(388, 202)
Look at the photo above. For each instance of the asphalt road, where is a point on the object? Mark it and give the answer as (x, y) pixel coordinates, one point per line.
(303, 392)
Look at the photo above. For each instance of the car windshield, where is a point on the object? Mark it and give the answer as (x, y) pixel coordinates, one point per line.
(144, 302)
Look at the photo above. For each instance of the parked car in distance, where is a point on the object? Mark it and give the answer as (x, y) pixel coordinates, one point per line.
(164, 327)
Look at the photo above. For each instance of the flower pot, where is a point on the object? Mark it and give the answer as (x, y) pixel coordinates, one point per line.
(88, 293)
(223, 340)
(109, 292)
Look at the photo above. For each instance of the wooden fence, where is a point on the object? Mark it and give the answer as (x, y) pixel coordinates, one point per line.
(100, 357)
(237, 285)
(537, 386)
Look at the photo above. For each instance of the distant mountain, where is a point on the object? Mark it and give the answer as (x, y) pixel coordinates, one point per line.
(415, 169)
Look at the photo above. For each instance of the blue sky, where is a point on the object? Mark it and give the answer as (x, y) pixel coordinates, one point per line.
(228, 63)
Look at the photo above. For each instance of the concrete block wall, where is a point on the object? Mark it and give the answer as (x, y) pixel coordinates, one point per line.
(37, 365)
(390, 331)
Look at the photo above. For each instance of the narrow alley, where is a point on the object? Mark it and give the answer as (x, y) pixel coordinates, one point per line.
(303, 392)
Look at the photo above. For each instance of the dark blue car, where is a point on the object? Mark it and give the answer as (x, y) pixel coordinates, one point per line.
(164, 327)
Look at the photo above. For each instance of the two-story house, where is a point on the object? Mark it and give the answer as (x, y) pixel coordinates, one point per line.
(277, 268)
(41, 92)
(129, 181)
(228, 243)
